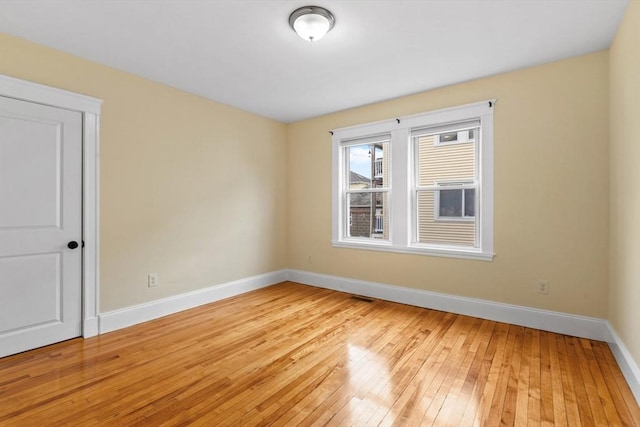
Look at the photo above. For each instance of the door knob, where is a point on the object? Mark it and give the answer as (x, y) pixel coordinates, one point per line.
(72, 244)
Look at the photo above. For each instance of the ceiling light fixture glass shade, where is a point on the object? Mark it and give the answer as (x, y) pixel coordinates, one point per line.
(311, 22)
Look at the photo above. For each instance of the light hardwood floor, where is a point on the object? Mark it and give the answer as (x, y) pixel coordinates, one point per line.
(297, 355)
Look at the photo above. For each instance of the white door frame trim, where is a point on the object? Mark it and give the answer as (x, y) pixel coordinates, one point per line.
(90, 108)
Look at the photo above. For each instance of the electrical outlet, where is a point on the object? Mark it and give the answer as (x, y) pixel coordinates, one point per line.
(543, 287)
(309, 261)
(152, 280)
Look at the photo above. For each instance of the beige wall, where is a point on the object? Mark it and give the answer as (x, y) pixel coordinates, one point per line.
(203, 193)
(551, 184)
(624, 252)
(190, 188)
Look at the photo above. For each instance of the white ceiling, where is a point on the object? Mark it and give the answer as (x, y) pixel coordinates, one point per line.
(243, 52)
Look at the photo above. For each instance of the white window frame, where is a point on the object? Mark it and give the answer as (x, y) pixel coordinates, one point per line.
(401, 210)
(346, 144)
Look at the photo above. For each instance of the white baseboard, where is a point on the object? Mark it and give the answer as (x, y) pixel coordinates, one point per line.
(562, 323)
(118, 319)
(569, 324)
(628, 366)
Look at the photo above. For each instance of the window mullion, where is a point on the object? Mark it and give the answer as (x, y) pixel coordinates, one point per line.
(400, 215)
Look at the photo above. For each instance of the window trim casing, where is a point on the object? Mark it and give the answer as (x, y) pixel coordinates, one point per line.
(401, 204)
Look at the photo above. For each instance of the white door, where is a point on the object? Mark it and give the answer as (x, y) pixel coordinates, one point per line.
(40, 218)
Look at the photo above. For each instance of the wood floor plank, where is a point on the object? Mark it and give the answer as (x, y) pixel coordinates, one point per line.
(495, 413)
(522, 399)
(400, 372)
(441, 406)
(569, 393)
(607, 412)
(546, 384)
(493, 364)
(474, 381)
(475, 413)
(389, 388)
(582, 385)
(511, 395)
(365, 390)
(456, 397)
(619, 391)
(559, 417)
(426, 380)
(291, 354)
(533, 407)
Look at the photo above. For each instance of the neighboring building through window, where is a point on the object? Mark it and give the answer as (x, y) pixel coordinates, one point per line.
(455, 137)
(455, 204)
(441, 200)
(368, 187)
(445, 184)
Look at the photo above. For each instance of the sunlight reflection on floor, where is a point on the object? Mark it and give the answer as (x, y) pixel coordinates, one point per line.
(373, 398)
(370, 379)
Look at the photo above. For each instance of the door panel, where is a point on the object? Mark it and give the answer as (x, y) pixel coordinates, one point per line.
(40, 212)
(30, 287)
(31, 154)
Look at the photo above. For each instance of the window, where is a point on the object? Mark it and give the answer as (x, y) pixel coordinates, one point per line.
(455, 137)
(455, 204)
(417, 184)
(367, 186)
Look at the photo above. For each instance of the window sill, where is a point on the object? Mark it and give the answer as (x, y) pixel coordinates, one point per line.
(446, 252)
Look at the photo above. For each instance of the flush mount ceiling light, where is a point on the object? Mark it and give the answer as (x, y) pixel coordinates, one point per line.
(311, 22)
